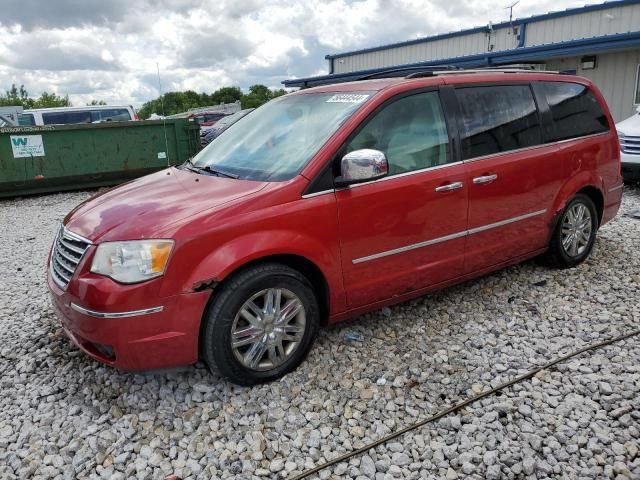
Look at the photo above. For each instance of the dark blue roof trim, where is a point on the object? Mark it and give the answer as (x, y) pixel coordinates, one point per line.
(519, 21)
(505, 57)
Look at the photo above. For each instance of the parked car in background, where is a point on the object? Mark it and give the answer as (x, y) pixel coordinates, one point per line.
(206, 136)
(206, 120)
(330, 202)
(629, 133)
(75, 115)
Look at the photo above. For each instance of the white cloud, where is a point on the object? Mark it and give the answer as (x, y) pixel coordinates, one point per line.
(109, 50)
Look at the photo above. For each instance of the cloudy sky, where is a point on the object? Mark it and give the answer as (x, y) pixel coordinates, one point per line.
(108, 49)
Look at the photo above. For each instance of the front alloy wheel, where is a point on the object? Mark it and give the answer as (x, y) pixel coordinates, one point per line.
(268, 329)
(260, 324)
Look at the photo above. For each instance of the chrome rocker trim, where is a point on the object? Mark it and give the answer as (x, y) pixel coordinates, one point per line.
(446, 238)
(133, 313)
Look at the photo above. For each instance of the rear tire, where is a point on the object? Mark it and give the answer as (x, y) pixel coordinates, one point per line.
(575, 233)
(260, 324)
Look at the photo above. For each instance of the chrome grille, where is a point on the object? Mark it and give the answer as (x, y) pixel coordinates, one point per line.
(630, 145)
(68, 250)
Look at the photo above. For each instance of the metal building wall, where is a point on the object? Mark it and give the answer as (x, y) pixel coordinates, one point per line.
(584, 25)
(607, 21)
(502, 39)
(615, 76)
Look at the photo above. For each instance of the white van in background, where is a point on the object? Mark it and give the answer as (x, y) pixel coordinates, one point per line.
(73, 115)
(629, 133)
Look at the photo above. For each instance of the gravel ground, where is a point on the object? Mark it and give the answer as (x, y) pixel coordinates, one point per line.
(63, 415)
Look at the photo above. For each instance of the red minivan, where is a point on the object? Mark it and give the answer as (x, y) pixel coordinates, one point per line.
(330, 202)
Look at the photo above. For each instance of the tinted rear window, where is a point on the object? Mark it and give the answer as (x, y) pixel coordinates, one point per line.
(574, 110)
(64, 118)
(110, 115)
(497, 119)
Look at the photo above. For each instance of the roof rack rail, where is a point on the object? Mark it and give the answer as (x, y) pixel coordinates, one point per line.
(408, 72)
(497, 70)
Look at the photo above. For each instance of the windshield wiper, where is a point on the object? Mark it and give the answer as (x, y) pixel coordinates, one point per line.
(190, 165)
(218, 173)
(206, 168)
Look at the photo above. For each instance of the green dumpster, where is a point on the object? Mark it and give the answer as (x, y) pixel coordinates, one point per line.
(52, 158)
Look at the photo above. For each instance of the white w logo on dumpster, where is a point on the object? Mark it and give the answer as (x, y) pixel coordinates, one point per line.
(20, 141)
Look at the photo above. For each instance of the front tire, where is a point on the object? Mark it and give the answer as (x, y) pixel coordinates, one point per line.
(260, 324)
(575, 233)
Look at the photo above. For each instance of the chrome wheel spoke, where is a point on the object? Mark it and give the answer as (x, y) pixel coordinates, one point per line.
(276, 354)
(269, 302)
(251, 313)
(246, 336)
(255, 353)
(292, 333)
(290, 310)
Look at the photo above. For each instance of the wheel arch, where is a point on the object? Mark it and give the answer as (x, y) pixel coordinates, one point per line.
(596, 197)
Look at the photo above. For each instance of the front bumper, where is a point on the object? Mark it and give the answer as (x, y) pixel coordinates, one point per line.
(159, 334)
(630, 167)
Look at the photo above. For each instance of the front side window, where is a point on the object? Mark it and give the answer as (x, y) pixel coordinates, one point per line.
(574, 109)
(280, 137)
(411, 132)
(497, 119)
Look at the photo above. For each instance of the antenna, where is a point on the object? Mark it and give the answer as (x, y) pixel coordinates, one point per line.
(164, 118)
(510, 8)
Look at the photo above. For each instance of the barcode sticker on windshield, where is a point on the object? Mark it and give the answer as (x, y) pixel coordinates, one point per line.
(348, 98)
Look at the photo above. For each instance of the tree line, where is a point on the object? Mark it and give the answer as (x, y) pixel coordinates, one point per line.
(169, 103)
(176, 102)
(19, 97)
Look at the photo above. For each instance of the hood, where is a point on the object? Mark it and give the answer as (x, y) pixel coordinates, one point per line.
(141, 208)
(630, 126)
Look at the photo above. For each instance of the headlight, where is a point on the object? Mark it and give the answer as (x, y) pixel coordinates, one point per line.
(620, 134)
(132, 262)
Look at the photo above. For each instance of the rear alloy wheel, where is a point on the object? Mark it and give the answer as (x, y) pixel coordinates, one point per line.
(577, 226)
(260, 324)
(575, 233)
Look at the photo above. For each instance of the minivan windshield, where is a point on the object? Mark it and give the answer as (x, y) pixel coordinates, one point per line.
(279, 138)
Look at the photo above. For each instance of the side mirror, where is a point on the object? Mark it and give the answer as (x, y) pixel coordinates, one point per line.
(362, 166)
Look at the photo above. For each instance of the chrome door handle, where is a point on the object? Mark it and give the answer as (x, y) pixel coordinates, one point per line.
(449, 186)
(485, 179)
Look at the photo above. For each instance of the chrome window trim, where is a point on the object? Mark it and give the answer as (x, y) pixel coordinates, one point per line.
(133, 313)
(405, 174)
(317, 194)
(446, 238)
(533, 147)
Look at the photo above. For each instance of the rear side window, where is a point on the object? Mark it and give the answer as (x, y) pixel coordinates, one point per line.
(497, 119)
(574, 109)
